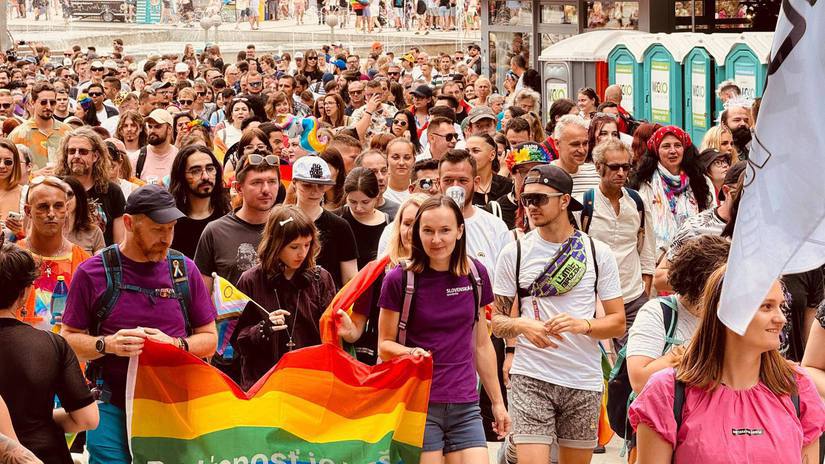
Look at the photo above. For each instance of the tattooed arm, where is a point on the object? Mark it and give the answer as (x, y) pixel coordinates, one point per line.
(505, 326)
(12, 452)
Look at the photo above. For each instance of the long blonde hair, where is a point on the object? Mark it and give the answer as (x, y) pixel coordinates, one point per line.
(713, 139)
(395, 248)
(702, 364)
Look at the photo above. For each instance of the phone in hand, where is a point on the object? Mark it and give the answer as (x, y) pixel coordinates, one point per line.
(15, 215)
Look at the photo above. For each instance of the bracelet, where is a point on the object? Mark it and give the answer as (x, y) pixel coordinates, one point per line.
(184, 345)
(365, 111)
(509, 349)
(589, 327)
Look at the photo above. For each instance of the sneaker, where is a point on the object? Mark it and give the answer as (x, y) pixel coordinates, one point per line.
(599, 450)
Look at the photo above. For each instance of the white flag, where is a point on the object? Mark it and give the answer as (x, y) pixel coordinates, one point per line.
(779, 228)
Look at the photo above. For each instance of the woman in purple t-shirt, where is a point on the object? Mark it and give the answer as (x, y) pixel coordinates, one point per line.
(446, 321)
(741, 402)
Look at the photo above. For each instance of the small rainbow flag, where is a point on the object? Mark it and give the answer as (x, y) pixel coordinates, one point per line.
(229, 303)
(317, 405)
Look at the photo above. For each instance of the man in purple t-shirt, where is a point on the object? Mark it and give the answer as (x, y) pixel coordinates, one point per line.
(147, 309)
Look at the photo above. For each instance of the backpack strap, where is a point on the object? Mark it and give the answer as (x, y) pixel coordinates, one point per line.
(595, 263)
(640, 205)
(408, 283)
(678, 400)
(520, 292)
(495, 209)
(587, 211)
(141, 161)
(113, 269)
(795, 401)
(180, 281)
(475, 278)
(670, 316)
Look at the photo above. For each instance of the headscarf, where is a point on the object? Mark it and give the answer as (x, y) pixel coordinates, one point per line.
(656, 139)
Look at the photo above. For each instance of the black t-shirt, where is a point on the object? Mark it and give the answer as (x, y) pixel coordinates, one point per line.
(368, 236)
(806, 290)
(508, 210)
(36, 365)
(228, 246)
(113, 203)
(500, 186)
(188, 232)
(337, 244)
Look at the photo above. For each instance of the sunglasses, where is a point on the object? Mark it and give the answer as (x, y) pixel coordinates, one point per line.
(399, 122)
(537, 199)
(312, 58)
(8, 162)
(78, 151)
(185, 102)
(5, 106)
(97, 69)
(255, 84)
(202, 94)
(616, 166)
(256, 159)
(50, 180)
(95, 94)
(47, 102)
(448, 137)
(393, 73)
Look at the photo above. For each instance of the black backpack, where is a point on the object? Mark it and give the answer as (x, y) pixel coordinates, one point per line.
(619, 392)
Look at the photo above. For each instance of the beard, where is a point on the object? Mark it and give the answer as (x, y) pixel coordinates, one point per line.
(154, 139)
(80, 169)
(203, 193)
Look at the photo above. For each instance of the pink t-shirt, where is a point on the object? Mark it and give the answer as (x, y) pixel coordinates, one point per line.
(723, 426)
(158, 165)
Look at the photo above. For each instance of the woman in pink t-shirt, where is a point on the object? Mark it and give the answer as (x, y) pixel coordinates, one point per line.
(739, 396)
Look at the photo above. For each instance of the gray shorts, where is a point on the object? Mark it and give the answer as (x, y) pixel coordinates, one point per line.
(544, 413)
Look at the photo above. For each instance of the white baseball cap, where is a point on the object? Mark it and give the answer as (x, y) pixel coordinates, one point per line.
(312, 170)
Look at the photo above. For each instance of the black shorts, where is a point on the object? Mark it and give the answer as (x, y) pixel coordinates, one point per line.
(359, 12)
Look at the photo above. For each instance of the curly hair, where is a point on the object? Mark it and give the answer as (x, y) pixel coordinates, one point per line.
(694, 262)
(650, 162)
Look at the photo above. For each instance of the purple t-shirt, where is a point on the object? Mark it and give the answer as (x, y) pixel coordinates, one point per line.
(442, 318)
(134, 309)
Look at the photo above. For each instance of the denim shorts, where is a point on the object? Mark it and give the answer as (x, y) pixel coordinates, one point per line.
(453, 427)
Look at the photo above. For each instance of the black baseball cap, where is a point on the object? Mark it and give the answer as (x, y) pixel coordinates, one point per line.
(555, 177)
(423, 91)
(155, 202)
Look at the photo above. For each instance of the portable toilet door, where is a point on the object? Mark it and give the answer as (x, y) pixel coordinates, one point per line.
(625, 71)
(556, 84)
(663, 86)
(699, 93)
(744, 67)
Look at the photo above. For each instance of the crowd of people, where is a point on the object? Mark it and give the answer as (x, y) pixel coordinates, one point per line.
(421, 16)
(521, 256)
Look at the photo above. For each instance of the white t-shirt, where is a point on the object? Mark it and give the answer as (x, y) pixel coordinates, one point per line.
(398, 196)
(646, 336)
(576, 363)
(487, 235)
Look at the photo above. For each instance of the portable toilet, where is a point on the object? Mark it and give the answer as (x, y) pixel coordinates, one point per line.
(747, 62)
(663, 79)
(576, 62)
(704, 70)
(625, 68)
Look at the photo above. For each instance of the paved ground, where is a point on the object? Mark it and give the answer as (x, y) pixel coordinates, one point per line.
(610, 457)
(273, 36)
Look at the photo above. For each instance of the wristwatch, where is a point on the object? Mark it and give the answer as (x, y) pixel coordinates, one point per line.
(100, 345)
(509, 349)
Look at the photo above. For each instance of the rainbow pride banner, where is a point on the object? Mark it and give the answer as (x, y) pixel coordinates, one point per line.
(318, 405)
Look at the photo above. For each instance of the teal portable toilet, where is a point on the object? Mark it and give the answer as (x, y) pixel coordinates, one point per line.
(699, 93)
(663, 86)
(147, 12)
(747, 62)
(576, 62)
(626, 71)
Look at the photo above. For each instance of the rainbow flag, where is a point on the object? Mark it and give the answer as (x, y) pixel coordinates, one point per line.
(317, 405)
(229, 302)
(347, 296)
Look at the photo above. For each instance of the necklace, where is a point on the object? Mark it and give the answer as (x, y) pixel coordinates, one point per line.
(60, 251)
(290, 345)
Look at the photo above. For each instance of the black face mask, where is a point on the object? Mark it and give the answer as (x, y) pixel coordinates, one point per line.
(741, 136)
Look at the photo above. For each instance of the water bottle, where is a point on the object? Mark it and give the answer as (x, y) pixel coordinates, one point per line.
(58, 304)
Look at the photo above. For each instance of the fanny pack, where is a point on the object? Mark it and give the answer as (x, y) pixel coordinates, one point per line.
(565, 271)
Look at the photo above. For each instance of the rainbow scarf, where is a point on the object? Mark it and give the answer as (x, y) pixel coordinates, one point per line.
(316, 403)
